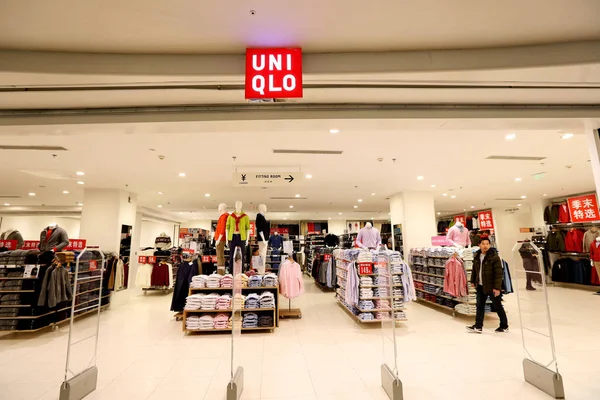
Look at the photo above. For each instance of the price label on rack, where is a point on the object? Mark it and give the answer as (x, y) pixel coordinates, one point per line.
(365, 268)
(9, 244)
(143, 259)
(326, 257)
(76, 244)
(93, 265)
(30, 244)
(214, 259)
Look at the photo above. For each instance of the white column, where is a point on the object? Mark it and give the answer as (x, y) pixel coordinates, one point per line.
(136, 237)
(104, 211)
(593, 138)
(415, 211)
(507, 224)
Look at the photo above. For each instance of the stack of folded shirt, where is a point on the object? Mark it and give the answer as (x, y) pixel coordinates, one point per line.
(221, 321)
(227, 281)
(250, 320)
(239, 301)
(397, 291)
(366, 317)
(252, 301)
(192, 323)
(396, 280)
(265, 321)
(223, 302)
(209, 301)
(382, 304)
(366, 305)
(383, 315)
(213, 281)
(194, 302)
(399, 303)
(198, 281)
(243, 278)
(366, 281)
(10, 299)
(206, 322)
(255, 281)
(270, 280)
(66, 256)
(382, 280)
(399, 315)
(267, 300)
(381, 292)
(365, 256)
(366, 293)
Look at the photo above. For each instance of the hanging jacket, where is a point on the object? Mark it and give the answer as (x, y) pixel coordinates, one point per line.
(455, 278)
(556, 241)
(574, 241)
(563, 214)
(491, 270)
(595, 251)
(551, 214)
(507, 286)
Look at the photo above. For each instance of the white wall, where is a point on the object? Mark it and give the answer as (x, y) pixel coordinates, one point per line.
(201, 224)
(151, 229)
(336, 226)
(507, 226)
(31, 226)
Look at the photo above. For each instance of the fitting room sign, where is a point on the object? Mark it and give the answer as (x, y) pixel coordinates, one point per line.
(583, 208)
(273, 73)
(266, 179)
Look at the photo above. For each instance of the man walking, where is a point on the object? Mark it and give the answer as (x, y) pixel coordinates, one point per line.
(486, 277)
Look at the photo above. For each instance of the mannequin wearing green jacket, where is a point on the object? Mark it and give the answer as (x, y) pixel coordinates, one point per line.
(238, 232)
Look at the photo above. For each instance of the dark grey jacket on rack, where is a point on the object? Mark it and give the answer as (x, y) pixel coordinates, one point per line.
(58, 239)
(13, 235)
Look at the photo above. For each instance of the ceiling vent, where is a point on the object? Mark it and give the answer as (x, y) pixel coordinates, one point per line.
(515, 158)
(43, 148)
(288, 198)
(321, 152)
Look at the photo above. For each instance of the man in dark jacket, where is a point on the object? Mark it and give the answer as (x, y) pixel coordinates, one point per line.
(486, 277)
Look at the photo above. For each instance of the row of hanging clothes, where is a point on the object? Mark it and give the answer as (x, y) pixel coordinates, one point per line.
(323, 269)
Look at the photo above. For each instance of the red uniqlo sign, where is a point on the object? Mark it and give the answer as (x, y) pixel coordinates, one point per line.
(206, 259)
(486, 220)
(326, 257)
(76, 244)
(583, 208)
(30, 244)
(9, 244)
(93, 265)
(460, 218)
(214, 259)
(143, 259)
(273, 73)
(365, 268)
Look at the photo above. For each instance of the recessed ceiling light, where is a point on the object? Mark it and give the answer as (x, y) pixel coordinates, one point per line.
(432, 186)
(329, 218)
(206, 194)
(31, 194)
(339, 213)
(567, 136)
(284, 218)
(159, 206)
(360, 200)
(297, 195)
(519, 205)
(372, 194)
(291, 206)
(510, 136)
(439, 213)
(355, 206)
(372, 218)
(453, 196)
(79, 204)
(444, 194)
(7, 204)
(182, 174)
(544, 195)
(472, 206)
(180, 213)
(80, 182)
(420, 178)
(523, 197)
(334, 131)
(308, 176)
(65, 192)
(464, 209)
(160, 193)
(80, 173)
(518, 179)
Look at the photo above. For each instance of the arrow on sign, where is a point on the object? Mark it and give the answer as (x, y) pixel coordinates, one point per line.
(290, 179)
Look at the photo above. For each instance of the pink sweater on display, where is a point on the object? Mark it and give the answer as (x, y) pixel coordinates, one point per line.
(455, 236)
(291, 284)
(455, 278)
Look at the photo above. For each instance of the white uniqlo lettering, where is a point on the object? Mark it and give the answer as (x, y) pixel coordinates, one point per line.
(275, 62)
(289, 62)
(258, 84)
(272, 86)
(289, 82)
(262, 62)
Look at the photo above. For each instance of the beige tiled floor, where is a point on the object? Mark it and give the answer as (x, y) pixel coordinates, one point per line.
(143, 354)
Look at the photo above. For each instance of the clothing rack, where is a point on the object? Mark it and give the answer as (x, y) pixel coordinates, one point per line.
(290, 312)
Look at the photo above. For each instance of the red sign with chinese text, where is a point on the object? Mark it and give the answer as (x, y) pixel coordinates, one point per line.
(252, 228)
(30, 244)
(583, 208)
(76, 244)
(486, 220)
(365, 268)
(273, 73)
(93, 265)
(9, 244)
(460, 218)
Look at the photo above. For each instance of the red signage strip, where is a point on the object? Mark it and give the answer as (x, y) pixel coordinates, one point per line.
(146, 259)
(583, 208)
(273, 73)
(461, 218)
(76, 244)
(30, 244)
(9, 244)
(486, 220)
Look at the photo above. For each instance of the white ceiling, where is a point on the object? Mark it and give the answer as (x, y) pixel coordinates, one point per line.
(119, 156)
(191, 26)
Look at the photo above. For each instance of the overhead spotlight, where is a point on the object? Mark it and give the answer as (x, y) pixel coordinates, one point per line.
(31, 194)
(544, 195)
(432, 186)
(510, 136)
(339, 213)
(308, 176)
(297, 195)
(159, 206)
(206, 194)
(453, 196)
(80, 182)
(182, 174)
(523, 197)
(518, 179)
(567, 136)
(360, 200)
(160, 193)
(291, 206)
(472, 206)
(79, 173)
(65, 192)
(372, 194)
(334, 131)
(439, 213)
(444, 194)
(519, 205)
(329, 218)
(284, 218)
(420, 178)
(6, 204)
(355, 206)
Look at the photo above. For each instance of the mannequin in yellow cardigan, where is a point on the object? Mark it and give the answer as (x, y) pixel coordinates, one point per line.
(238, 232)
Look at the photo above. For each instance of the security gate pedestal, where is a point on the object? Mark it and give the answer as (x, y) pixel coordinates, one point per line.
(391, 385)
(80, 385)
(544, 379)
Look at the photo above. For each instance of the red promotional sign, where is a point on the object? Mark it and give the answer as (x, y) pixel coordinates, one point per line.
(151, 259)
(206, 259)
(365, 268)
(273, 73)
(93, 265)
(326, 257)
(9, 244)
(460, 218)
(252, 228)
(583, 208)
(214, 259)
(486, 220)
(30, 244)
(76, 244)
(143, 259)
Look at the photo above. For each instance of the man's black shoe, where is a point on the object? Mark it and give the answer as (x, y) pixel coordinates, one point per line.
(474, 329)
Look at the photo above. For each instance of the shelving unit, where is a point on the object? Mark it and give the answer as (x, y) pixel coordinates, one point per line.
(258, 289)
